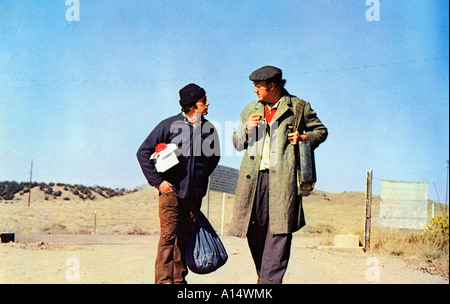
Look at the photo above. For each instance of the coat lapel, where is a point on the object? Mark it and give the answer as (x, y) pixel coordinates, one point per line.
(285, 104)
(259, 108)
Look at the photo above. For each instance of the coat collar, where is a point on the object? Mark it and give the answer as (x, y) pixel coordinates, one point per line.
(183, 117)
(284, 105)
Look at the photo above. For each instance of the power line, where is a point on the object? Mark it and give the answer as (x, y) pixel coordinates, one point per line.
(382, 65)
(142, 80)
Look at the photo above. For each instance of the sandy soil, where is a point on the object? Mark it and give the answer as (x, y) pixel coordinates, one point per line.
(117, 259)
(55, 237)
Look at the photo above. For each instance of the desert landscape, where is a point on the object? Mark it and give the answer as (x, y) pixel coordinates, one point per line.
(111, 239)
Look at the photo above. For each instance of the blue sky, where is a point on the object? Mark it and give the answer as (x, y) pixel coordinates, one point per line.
(79, 97)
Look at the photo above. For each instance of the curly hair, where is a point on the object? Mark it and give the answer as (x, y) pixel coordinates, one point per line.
(187, 108)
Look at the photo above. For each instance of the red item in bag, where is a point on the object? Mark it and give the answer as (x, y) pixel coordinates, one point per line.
(160, 147)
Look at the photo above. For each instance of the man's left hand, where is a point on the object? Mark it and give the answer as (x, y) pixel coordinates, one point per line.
(295, 137)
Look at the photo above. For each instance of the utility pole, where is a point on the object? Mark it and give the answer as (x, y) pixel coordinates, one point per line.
(446, 191)
(368, 211)
(29, 187)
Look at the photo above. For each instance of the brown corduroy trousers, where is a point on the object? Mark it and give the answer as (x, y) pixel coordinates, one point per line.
(177, 218)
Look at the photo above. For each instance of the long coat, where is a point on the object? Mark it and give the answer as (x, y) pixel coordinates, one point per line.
(285, 201)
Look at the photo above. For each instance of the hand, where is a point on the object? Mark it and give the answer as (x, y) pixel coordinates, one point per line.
(253, 121)
(165, 187)
(295, 137)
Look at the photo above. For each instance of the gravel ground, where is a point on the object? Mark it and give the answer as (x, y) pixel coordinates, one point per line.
(117, 259)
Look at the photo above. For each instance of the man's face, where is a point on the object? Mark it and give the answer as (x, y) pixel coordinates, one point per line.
(202, 106)
(262, 91)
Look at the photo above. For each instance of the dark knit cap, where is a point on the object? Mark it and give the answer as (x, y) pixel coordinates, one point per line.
(266, 73)
(190, 94)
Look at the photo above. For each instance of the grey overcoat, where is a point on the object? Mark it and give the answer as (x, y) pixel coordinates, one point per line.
(285, 201)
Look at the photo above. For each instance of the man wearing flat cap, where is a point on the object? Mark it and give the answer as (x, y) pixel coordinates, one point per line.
(181, 187)
(268, 204)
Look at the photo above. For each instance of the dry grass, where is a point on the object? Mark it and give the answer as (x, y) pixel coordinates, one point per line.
(328, 214)
(429, 251)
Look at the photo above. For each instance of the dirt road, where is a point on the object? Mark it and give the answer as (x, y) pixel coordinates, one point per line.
(112, 259)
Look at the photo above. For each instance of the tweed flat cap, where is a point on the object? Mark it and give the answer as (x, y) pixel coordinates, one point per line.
(265, 73)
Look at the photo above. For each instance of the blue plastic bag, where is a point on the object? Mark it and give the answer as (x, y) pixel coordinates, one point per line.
(205, 252)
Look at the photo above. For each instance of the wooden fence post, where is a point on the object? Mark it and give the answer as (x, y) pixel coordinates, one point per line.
(223, 214)
(368, 210)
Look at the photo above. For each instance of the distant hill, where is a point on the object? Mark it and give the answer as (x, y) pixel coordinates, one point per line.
(10, 190)
(64, 208)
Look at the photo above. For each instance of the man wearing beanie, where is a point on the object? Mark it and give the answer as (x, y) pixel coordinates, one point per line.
(181, 187)
(268, 205)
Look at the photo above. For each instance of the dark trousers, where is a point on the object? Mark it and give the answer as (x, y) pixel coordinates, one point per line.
(176, 223)
(270, 252)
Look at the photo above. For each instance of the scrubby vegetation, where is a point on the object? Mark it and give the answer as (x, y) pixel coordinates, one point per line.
(8, 190)
(432, 244)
